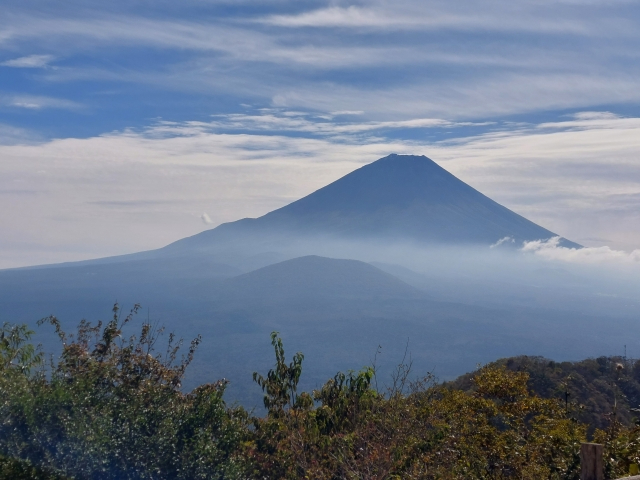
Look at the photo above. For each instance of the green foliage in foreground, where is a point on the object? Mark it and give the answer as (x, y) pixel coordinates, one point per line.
(112, 408)
(594, 389)
(16, 469)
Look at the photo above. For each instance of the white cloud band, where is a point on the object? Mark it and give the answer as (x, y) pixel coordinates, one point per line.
(579, 178)
(550, 249)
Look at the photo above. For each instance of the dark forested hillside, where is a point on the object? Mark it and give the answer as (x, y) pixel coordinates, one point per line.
(594, 390)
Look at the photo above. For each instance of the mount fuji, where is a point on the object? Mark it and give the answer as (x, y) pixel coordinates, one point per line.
(395, 250)
(397, 198)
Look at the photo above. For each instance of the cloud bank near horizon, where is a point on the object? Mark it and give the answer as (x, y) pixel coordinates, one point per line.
(551, 249)
(129, 117)
(140, 189)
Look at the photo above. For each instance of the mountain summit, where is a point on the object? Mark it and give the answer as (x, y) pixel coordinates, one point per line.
(399, 197)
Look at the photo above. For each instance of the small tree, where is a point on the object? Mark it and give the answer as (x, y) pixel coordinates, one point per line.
(281, 384)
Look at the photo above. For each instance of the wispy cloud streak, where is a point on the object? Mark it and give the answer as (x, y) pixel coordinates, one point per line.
(31, 61)
(403, 59)
(36, 102)
(474, 17)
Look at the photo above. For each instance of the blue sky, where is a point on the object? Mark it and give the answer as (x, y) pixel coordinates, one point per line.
(142, 117)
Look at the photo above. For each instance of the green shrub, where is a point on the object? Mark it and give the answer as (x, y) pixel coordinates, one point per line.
(112, 408)
(15, 469)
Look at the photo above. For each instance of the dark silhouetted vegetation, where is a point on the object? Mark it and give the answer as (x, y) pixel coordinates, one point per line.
(111, 407)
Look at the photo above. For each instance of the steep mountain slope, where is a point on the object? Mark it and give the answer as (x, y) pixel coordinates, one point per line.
(399, 197)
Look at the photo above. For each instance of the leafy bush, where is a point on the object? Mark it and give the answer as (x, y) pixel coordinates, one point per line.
(15, 469)
(592, 388)
(112, 408)
(498, 431)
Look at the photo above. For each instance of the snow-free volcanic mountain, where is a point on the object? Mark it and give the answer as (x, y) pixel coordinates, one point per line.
(399, 197)
(306, 271)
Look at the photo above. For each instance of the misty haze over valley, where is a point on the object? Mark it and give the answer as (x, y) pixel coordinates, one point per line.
(396, 255)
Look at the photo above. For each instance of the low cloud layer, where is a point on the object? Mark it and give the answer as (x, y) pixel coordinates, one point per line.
(259, 103)
(502, 241)
(551, 250)
(69, 199)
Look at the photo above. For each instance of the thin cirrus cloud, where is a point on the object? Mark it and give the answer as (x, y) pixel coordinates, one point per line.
(392, 17)
(235, 41)
(37, 102)
(10, 135)
(30, 61)
(246, 44)
(451, 60)
(119, 30)
(276, 120)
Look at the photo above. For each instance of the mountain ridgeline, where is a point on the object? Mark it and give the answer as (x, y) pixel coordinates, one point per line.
(403, 198)
(319, 278)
